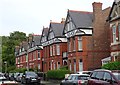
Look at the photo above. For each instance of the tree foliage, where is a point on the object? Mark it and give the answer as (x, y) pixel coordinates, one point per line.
(112, 66)
(8, 48)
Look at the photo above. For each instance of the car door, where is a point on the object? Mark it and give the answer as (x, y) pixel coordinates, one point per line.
(73, 80)
(109, 79)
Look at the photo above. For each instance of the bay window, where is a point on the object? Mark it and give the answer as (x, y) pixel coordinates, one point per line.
(114, 33)
(58, 49)
(69, 45)
(79, 43)
(50, 50)
(53, 50)
(119, 30)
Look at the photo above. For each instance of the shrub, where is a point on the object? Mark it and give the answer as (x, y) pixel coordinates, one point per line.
(112, 66)
(57, 74)
(64, 67)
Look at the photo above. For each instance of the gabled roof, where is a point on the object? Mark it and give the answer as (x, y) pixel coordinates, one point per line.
(112, 9)
(44, 33)
(57, 29)
(25, 45)
(36, 39)
(81, 19)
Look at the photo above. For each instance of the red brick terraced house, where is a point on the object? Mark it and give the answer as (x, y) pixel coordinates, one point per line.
(45, 47)
(20, 53)
(29, 54)
(35, 53)
(87, 38)
(114, 19)
(55, 47)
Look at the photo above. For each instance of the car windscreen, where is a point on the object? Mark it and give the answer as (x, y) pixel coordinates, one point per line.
(83, 77)
(31, 74)
(117, 75)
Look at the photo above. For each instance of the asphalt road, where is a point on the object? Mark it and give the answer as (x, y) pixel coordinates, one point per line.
(43, 83)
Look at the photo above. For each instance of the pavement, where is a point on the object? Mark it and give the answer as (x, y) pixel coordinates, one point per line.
(49, 83)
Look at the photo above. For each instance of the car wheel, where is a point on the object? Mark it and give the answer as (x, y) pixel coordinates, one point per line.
(61, 84)
(74, 84)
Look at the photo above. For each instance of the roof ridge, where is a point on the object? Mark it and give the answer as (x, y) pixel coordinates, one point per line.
(87, 12)
(56, 23)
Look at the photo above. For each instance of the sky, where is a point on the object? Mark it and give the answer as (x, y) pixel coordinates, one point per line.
(30, 16)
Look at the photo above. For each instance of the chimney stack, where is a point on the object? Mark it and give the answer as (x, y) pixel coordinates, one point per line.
(97, 10)
(63, 20)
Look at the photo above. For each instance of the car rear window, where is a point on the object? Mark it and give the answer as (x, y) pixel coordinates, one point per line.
(83, 77)
(117, 75)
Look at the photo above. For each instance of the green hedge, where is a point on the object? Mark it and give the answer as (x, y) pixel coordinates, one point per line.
(57, 74)
(112, 66)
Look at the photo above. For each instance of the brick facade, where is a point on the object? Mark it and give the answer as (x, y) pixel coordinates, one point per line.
(81, 47)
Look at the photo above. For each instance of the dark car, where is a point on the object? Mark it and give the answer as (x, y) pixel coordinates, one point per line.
(104, 77)
(75, 79)
(30, 77)
(18, 77)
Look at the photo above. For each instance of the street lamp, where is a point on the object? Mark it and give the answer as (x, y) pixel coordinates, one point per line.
(5, 66)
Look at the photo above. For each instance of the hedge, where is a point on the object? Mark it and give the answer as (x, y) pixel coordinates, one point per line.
(57, 74)
(112, 66)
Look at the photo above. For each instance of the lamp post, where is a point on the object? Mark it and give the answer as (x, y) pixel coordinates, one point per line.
(5, 66)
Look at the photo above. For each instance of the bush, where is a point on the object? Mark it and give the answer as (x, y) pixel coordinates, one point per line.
(112, 66)
(64, 67)
(57, 74)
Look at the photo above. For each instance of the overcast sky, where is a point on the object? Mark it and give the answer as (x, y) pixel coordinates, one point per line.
(29, 16)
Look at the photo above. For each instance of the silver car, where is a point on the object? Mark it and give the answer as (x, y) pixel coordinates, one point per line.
(75, 79)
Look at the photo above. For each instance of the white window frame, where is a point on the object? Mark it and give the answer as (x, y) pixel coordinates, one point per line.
(114, 33)
(79, 43)
(38, 55)
(57, 49)
(119, 30)
(50, 50)
(64, 54)
(69, 45)
(38, 66)
(53, 50)
(34, 54)
(74, 44)
(58, 65)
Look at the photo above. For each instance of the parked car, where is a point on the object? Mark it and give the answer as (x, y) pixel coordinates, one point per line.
(18, 77)
(84, 72)
(11, 76)
(75, 79)
(15, 75)
(104, 77)
(30, 77)
(5, 81)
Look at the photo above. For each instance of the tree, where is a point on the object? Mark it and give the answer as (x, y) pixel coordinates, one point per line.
(112, 66)
(8, 47)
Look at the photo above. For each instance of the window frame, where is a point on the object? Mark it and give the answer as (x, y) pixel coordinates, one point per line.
(119, 31)
(57, 49)
(114, 33)
(80, 43)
